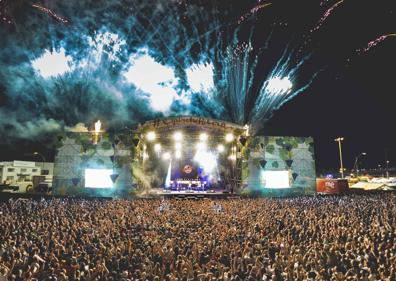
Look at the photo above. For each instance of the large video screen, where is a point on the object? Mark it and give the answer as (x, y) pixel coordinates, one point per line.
(275, 179)
(98, 178)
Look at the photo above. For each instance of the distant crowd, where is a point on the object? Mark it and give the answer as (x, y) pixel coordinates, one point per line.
(311, 238)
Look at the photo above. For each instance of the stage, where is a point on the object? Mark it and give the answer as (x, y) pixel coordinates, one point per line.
(191, 194)
(190, 156)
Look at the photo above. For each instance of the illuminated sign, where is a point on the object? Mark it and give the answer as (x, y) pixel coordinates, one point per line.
(187, 169)
(190, 120)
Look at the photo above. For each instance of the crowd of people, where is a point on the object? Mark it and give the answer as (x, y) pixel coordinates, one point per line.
(311, 238)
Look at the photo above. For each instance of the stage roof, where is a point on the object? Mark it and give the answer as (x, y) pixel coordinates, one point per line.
(191, 121)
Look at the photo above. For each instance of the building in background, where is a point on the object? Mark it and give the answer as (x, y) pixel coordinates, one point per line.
(25, 174)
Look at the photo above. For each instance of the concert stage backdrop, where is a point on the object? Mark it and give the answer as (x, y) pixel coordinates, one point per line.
(121, 165)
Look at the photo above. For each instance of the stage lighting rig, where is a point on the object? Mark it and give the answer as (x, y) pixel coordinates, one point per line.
(151, 136)
(177, 136)
(203, 137)
(229, 137)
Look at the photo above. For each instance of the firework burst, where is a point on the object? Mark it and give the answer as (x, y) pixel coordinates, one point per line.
(130, 61)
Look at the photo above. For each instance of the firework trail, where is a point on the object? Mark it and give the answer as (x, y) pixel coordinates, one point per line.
(318, 25)
(375, 42)
(237, 78)
(326, 15)
(252, 12)
(50, 13)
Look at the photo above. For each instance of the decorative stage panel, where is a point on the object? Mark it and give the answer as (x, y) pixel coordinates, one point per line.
(277, 166)
(87, 167)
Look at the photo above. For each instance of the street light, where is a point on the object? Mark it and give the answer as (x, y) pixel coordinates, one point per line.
(355, 166)
(380, 170)
(42, 158)
(387, 169)
(339, 139)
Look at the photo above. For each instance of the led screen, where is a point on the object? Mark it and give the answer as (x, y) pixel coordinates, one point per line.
(275, 179)
(98, 178)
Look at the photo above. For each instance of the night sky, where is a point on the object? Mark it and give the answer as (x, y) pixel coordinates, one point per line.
(306, 68)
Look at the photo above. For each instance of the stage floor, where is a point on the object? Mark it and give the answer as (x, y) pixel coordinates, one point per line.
(191, 193)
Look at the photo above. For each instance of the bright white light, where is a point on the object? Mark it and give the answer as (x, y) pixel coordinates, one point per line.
(220, 148)
(151, 136)
(166, 156)
(229, 137)
(203, 137)
(178, 146)
(275, 179)
(232, 157)
(178, 154)
(200, 77)
(206, 160)
(157, 147)
(52, 63)
(153, 78)
(201, 146)
(246, 128)
(98, 124)
(277, 85)
(98, 178)
(178, 136)
(168, 175)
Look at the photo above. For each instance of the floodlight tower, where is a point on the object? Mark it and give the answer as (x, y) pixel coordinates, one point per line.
(339, 140)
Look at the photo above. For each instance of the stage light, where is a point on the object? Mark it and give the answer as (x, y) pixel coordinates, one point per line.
(166, 156)
(151, 136)
(229, 137)
(178, 154)
(157, 147)
(203, 137)
(178, 136)
(232, 157)
(207, 160)
(201, 146)
(178, 146)
(220, 148)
